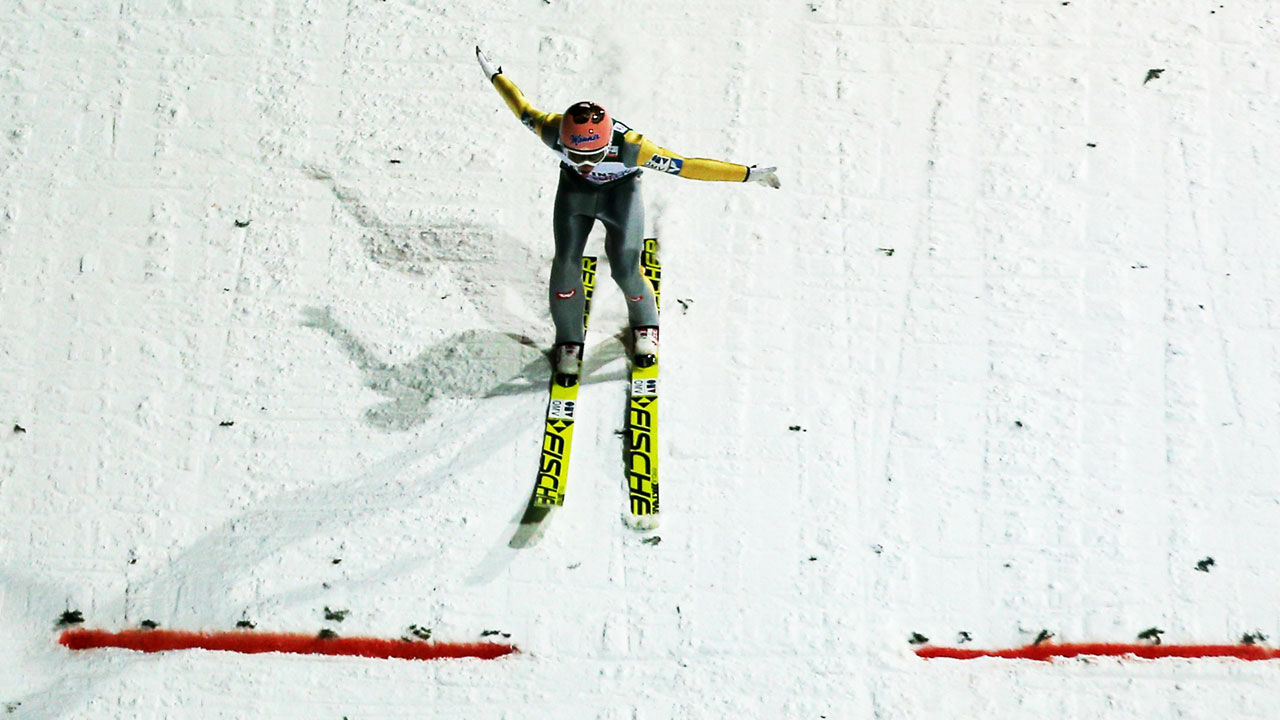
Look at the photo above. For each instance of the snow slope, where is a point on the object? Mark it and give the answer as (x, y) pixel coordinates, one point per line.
(999, 358)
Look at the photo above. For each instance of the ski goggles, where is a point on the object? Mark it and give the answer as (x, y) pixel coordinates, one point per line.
(585, 112)
(579, 159)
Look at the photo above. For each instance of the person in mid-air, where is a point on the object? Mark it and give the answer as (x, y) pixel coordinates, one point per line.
(600, 166)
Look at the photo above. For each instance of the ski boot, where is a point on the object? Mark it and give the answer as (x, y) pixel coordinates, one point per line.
(566, 360)
(645, 347)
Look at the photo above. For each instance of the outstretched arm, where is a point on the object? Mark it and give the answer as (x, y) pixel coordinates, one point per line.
(543, 124)
(656, 157)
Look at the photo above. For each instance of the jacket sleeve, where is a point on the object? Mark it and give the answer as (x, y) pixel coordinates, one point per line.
(543, 124)
(655, 157)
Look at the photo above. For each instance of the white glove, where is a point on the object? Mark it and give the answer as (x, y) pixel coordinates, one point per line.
(764, 176)
(487, 65)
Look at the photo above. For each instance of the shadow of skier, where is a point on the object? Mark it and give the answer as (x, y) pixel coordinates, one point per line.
(493, 272)
(492, 269)
(468, 364)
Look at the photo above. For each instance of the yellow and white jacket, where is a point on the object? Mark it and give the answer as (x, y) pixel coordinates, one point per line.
(629, 151)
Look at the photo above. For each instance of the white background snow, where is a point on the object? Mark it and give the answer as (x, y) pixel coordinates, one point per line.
(1000, 356)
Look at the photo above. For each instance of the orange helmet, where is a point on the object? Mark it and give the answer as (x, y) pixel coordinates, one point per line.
(586, 129)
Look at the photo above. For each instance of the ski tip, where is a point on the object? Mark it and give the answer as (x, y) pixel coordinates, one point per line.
(640, 523)
(532, 527)
(536, 513)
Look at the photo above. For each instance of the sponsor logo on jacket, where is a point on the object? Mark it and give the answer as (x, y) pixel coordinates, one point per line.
(602, 177)
(665, 164)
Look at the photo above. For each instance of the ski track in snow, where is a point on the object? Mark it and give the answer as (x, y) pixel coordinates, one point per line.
(999, 360)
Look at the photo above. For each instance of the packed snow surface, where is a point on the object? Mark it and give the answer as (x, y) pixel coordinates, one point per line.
(998, 362)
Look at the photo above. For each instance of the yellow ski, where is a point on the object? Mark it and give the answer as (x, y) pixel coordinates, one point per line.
(642, 419)
(557, 438)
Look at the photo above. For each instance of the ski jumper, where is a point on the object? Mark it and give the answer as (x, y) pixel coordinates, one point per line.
(610, 193)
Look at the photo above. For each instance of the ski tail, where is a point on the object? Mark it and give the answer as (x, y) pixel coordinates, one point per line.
(589, 264)
(652, 269)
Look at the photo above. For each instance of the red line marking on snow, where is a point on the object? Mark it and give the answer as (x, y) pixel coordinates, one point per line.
(1049, 651)
(151, 641)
